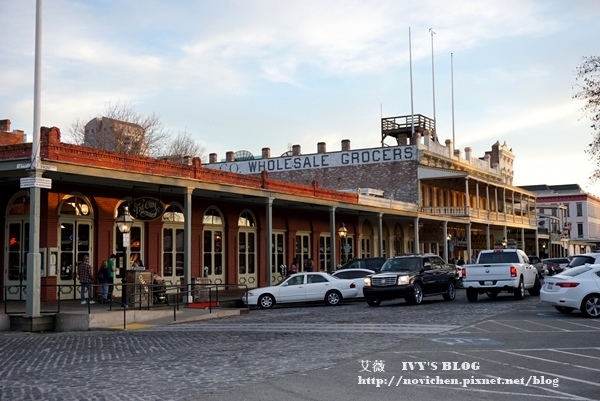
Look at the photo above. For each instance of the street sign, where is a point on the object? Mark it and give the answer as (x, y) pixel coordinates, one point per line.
(36, 182)
(39, 166)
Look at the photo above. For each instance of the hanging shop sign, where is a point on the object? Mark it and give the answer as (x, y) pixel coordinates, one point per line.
(146, 209)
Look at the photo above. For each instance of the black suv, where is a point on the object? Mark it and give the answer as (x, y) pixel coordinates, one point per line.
(412, 277)
(364, 263)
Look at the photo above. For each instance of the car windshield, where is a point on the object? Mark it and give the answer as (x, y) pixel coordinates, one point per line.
(576, 271)
(401, 264)
(581, 260)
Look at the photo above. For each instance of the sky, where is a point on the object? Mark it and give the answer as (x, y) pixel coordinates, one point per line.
(250, 74)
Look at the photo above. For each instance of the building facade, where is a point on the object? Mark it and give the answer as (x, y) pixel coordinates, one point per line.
(569, 219)
(240, 224)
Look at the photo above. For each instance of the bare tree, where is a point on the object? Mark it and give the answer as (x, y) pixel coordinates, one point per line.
(588, 83)
(184, 145)
(121, 129)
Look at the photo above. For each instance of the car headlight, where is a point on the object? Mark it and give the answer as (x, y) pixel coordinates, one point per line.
(403, 280)
(368, 281)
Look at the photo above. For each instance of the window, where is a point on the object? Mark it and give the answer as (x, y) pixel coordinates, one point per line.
(302, 250)
(316, 278)
(246, 248)
(278, 256)
(579, 230)
(579, 209)
(212, 250)
(324, 253)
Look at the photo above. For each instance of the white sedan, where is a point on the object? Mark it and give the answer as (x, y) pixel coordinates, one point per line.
(358, 275)
(575, 288)
(303, 287)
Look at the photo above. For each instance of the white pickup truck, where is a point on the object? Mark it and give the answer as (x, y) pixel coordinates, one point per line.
(500, 270)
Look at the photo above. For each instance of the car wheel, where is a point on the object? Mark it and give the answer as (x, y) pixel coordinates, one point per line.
(492, 293)
(266, 301)
(333, 298)
(537, 286)
(450, 292)
(373, 301)
(563, 309)
(472, 295)
(520, 291)
(417, 297)
(590, 306)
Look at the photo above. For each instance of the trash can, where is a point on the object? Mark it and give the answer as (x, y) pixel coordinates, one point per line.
(139, 287)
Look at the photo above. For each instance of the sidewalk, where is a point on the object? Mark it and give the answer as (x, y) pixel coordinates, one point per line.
(74, 316)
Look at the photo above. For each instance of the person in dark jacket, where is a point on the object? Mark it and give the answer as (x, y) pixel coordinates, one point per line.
(104, 279)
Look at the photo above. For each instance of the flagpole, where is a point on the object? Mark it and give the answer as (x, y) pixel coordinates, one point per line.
(452, 82)
(433, 81)
(412, 110)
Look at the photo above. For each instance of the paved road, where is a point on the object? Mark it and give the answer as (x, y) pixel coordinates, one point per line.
(349, 352)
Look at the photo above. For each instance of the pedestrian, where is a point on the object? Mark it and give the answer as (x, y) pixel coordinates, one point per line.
(112, 268)
(294, 266)
(86, 278)
(309, 265)
(103, 279)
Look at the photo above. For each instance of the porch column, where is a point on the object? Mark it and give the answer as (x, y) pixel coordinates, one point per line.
(477, 196)
(469, 241)
(467, 204)
(446, 242)
(269, 241)
(417, 248)
(333, 237)
(487, 236)
(187, 240)
(380, 228)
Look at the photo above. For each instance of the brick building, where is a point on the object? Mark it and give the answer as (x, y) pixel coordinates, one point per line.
(237, 226)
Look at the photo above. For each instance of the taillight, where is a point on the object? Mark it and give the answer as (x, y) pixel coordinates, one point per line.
(513, 271)
(566, 285)
(463, 272)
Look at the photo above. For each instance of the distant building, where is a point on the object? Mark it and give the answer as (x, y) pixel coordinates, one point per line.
(115, 136)
(568, 217)
(8, 137)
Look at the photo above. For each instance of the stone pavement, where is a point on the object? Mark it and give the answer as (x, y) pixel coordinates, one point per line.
(73, 316)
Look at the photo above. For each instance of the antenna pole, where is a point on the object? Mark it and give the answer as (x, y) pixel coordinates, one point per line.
(433, 81)
(452, 82)
(412, 109)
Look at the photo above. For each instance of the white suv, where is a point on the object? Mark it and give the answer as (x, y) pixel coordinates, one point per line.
(591, 258)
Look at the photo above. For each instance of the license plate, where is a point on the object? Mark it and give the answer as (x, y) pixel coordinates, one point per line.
(488, 283)
(550, 285)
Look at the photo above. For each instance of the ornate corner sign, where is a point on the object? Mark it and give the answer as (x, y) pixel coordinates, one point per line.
(146, 209)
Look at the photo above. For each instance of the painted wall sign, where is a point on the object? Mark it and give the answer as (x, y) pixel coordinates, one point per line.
(146, 209)
(320, 160)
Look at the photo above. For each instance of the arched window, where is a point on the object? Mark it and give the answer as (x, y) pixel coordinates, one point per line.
(17, 238)
(76, 237)
(173, 243)
(213, 244)
(247, 249)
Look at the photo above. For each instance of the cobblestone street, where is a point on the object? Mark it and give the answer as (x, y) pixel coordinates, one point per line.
(184, 361)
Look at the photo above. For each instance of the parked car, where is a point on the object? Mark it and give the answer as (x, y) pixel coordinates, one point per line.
(364, 263)
(303, 287)
(357, 275)
(412, 277)
(591, 258)
(537, 263)
(575, 288)
(555, 265)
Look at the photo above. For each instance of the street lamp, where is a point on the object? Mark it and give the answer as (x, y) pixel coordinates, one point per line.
(343, 233)
(504, 242)
(124, 223)
(448, 239)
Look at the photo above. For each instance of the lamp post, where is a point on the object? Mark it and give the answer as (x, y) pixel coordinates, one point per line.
(504, 242)
(124, 223)
(448, 253)
(343, 233)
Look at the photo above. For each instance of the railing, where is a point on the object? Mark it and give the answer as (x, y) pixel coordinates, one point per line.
(141, 296)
